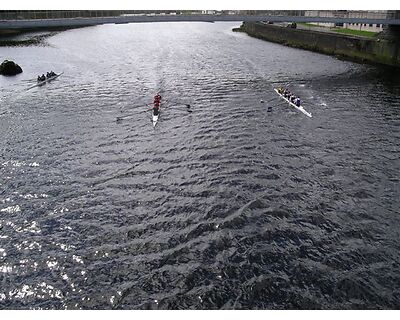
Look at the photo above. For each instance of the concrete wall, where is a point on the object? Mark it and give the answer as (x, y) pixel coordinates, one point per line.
(359, 49)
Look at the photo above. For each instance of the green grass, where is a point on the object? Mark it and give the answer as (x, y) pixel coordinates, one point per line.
(355, 32)
(309, 24)
(352, 32)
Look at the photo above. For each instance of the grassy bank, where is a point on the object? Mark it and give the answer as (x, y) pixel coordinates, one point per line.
(309, 25)
(352, 32)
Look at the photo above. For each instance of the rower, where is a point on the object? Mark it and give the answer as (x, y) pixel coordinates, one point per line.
(298, 102)
(157, 98)
(156, 108)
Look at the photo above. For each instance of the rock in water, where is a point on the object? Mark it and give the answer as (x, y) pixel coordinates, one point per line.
(9, 68)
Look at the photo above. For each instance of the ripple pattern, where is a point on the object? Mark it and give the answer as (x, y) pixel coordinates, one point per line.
(226, 207)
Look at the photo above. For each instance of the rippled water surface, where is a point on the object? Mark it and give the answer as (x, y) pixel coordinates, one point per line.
(229, 206)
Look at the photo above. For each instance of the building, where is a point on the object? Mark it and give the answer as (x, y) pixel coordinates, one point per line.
(377, 14)
(369, 14)
(208, 12)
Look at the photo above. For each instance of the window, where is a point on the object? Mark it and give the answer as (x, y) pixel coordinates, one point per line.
(378, 25)
(370, 24)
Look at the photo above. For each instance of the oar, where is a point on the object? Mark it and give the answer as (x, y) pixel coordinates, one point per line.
(130, 115)
(179, 103)
(188, 106)
(188, 109)
(123, 117)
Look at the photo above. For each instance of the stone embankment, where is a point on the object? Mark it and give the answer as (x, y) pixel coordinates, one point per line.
(361, 49)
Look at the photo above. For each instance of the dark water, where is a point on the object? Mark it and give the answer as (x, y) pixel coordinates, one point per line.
(229, 206)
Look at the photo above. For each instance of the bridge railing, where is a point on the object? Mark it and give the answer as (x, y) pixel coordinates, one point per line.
(64, 14)
(55, 14)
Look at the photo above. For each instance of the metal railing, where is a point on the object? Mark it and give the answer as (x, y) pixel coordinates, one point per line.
(55, 14)
(68, 14)
(65, 14)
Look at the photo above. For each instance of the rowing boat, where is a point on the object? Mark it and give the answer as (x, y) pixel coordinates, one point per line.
(40, 83)
(156, 116)
(308, 114)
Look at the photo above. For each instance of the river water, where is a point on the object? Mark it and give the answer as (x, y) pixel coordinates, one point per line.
(228, 206)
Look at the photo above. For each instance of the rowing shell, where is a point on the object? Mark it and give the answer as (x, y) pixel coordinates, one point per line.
(40, 83)
(293, 105)
(155, 117)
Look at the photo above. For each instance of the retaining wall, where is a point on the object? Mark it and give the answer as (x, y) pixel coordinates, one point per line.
(381, 51)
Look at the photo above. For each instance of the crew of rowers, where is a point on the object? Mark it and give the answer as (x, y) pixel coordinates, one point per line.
(48, 75)
(288, 95)
(157, 101)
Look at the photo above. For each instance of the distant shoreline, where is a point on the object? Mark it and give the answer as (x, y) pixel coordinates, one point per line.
(28, 37)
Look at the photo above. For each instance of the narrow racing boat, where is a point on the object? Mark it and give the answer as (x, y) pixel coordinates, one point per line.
(156, 111)
(40, 83)
(308, 114)
(156, 115)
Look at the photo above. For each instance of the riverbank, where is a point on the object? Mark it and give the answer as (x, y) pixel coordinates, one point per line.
(25, 39)
(360, 49)
(28, 37)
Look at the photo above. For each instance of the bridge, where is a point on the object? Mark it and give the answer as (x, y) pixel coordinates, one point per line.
(140, 18)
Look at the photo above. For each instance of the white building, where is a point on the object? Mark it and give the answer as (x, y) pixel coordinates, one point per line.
(377, 14)
(370, 14)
